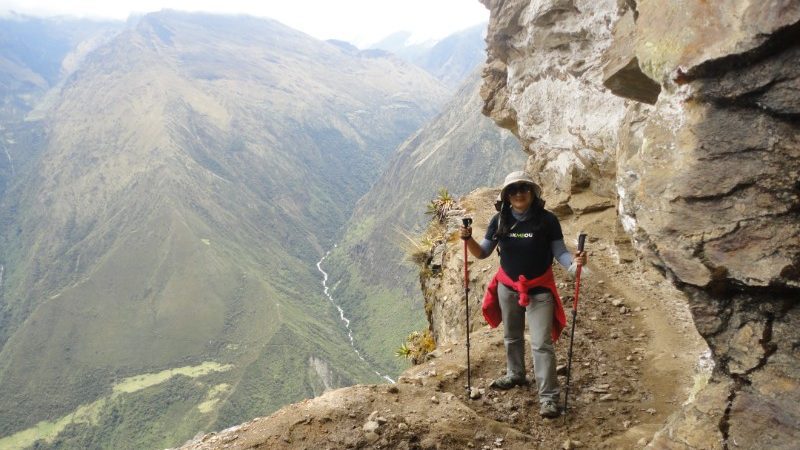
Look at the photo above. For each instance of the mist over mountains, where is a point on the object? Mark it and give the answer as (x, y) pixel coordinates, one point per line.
(168, 201)
(36, 55)
(450, 60)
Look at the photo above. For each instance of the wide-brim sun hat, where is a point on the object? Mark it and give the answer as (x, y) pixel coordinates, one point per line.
(520, 177)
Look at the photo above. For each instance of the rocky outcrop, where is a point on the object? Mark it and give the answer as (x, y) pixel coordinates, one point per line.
(544, 83)
(686, 114)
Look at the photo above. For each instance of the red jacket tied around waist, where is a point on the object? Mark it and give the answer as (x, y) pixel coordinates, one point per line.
(491, 305)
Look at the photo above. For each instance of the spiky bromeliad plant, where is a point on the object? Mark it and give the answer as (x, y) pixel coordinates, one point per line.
(441, 205)
(417, 346)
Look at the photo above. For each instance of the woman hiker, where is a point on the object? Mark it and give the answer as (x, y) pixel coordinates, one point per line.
(529, 237)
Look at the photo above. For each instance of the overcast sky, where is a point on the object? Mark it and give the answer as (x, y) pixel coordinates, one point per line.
(358, 21)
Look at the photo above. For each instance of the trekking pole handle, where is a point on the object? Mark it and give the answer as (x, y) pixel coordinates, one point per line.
(581, 243)
(467, 222)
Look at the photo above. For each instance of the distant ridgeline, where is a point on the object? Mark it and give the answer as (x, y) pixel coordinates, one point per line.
(167, 186)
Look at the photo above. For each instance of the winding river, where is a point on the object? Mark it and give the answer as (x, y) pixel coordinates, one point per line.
(342, 317)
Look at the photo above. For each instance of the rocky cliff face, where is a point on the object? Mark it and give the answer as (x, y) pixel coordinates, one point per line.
(685, 114)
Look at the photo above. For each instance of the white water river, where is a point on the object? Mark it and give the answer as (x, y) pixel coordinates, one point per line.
(344, 319)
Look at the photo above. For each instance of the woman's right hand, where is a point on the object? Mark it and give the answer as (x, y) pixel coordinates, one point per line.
(466, 232)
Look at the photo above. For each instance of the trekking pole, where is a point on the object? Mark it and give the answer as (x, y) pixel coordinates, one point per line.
(467, 221)
(581, 242)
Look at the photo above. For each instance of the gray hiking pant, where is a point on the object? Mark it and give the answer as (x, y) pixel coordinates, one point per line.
(540, 323)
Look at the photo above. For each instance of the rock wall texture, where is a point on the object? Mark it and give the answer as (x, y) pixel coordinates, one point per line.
(687, 114)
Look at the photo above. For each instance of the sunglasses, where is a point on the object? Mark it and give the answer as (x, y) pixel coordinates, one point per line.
(515, 189)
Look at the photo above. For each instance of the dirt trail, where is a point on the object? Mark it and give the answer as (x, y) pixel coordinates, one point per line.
(656, 339)
(635, 361)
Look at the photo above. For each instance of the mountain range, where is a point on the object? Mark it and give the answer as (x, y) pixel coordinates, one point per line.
(169, 198)
(37, 54)
(450, 60)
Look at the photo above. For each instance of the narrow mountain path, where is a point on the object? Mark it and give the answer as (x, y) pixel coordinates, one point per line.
(636, 359)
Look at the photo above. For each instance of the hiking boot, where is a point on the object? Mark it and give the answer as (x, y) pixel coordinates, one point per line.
(549, 409)
(507, 382)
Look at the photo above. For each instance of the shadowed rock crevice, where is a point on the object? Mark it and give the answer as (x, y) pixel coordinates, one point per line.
(742, 381)
(780, 40)
(724, 423)
(754, 99)
(770, 85)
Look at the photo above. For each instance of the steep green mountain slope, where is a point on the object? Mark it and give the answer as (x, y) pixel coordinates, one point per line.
(159, 252)
(460, 150)
(35, 56)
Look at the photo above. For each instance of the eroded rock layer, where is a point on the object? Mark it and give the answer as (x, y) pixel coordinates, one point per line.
(687, 114)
